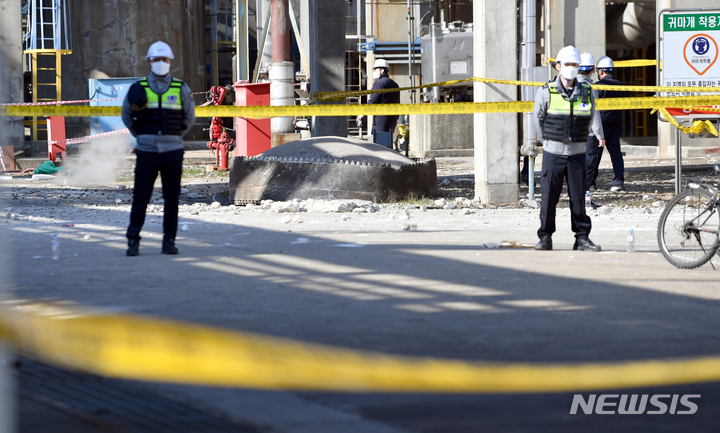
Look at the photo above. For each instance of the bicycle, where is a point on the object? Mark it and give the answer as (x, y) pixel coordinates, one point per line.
(689, 226)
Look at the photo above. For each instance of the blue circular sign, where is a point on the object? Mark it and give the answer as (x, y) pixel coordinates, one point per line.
(701, 45)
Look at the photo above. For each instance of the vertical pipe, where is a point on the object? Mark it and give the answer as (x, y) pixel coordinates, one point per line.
(369, 54)
(548, 34)
(528, 62)
(359, 22)
(241, 41)
(678, 161)
(279, 33)
(410, 59)
(281, 69)
(213, 41)
(433, 39)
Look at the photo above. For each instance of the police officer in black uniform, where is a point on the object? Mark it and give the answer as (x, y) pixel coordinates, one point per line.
(158, 110)
(562, 115)
(612, 125)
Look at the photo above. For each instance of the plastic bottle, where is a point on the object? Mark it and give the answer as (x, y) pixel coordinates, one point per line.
(631, 242)
(56, 247)
(588, 200)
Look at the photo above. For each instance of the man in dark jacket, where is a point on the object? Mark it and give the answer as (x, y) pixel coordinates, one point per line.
(158, 110)
(381, 69)
(612, 126)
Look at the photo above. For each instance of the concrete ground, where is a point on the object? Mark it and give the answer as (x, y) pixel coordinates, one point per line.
(360, 281)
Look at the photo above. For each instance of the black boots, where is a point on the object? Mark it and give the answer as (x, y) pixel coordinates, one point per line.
(168, 246)
(133, 247)
(545, 243)
(585, 244)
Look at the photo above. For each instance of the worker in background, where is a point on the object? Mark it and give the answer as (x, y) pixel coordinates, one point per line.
(594, 146)
(612, 124)
(562, 115)
(381, 69)
(158, 110)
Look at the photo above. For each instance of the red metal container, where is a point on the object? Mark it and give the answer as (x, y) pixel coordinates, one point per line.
(252, 136)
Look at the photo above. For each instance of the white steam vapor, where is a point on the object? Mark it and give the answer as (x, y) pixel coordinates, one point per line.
(99, 162)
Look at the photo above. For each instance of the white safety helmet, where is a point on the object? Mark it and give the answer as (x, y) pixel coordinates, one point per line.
(605, 62)
(160, 49)
(568, 54)
(587, 62)
(381, 63)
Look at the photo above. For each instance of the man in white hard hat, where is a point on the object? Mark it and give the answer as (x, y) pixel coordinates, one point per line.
(158, 110)
(594, 144)
(381, 69)
(612, 124)
(562, 115)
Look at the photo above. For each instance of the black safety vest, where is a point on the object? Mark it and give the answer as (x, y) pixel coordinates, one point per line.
(156, 114)
(567, 121)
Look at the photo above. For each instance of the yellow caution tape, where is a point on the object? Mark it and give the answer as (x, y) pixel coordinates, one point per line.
(337, 96)
(715, 110)
(635, 63)
(262, 112)
(139, 348)
(628, 63)
(697, 127)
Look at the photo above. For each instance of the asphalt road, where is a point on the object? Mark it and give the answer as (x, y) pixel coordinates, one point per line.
(360, 281)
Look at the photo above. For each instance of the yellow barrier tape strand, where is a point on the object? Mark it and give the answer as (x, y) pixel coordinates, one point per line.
(634, 63)
(697, 127)
(138, 348)
(707, 109)
(627, 63)
(262, 112)
(337, 96)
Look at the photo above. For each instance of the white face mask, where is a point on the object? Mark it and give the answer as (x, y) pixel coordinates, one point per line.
(376, 74)
(160, 68)
(569, 72)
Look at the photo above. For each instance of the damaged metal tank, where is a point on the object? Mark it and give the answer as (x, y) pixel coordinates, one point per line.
(330, 168)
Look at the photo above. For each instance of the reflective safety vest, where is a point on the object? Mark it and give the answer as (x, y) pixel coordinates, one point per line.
(157, 114)
(567, 121)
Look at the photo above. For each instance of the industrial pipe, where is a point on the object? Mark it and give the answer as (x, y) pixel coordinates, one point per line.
(630, 26)
(280, 30)
(282, 92)
(527, 61)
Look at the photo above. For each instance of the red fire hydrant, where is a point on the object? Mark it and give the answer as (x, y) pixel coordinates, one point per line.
(220, 142)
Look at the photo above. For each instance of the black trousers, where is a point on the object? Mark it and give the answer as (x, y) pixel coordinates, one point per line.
(555, 170)
(148, 165)
(612, 143)
(594, 155)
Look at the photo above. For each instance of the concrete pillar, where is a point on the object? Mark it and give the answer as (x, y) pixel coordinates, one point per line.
(581, 24)
(327, 58)
(496, 135)
(11, 88)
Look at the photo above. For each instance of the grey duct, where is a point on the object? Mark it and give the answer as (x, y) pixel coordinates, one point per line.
(630, 26)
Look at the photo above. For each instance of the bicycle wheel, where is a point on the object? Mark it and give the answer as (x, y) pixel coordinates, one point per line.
(688, 229)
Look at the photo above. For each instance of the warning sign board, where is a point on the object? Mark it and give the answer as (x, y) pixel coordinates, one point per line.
(688, 47)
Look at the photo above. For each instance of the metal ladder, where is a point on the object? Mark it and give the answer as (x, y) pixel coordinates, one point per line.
(353, 64)
(640, 79)
(47, 40)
